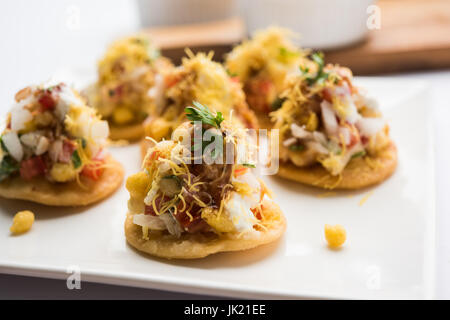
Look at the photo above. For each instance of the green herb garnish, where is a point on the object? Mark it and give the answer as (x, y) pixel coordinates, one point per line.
(7, 167)
(320, 76)
(76, 160)
(297, 147)
(359, 154)
(249, 165)
(203, 114)
(277, 103)
(285, 53)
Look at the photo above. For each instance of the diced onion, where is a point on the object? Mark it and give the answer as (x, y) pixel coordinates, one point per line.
(13, 145)
(146, 220)
(370, 126)
(329, 118)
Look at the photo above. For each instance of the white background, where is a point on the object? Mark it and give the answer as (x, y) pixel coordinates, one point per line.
(40, 37)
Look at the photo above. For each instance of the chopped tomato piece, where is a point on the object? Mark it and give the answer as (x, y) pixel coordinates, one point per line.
(257, 212)
(170, 81)
(240, 171)
(94, 170)
(32, 167)
(47, 101)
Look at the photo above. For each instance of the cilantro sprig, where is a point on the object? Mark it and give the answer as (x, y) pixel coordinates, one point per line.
(320, 76)
(202, 113)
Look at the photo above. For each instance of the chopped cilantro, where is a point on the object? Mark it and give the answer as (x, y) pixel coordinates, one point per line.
(203, 114)
(7, 167)
(297, 147)
(277, 103)
(359, 154)
(249, 165)
(321, 75)
(76, 160)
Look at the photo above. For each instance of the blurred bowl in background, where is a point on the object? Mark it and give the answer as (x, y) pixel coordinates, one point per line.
(322, 24)
(176, 12)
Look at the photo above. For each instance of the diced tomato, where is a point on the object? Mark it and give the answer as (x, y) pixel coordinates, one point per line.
(235, 79)
(94, 170)
(364, 140)
(240, 171)
(149, 209)
(257, 212)
(47, 101)
(68, 148)
(32, 167)
(265, 86)
(327, 95)
(170, 81)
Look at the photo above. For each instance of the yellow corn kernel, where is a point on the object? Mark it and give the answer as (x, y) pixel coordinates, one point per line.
(63, 172)
(220, 223)
(22, 222)
(335, 235)
(158, 128)
(122, 116)
(312, 123)
(138, 184)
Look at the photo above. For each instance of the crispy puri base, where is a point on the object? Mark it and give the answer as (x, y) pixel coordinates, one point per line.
(356, 175)
(194, 246)
(131, 133)
(264, 120)
(65, 194)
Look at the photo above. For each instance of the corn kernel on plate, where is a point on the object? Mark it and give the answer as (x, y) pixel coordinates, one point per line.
(388, 250)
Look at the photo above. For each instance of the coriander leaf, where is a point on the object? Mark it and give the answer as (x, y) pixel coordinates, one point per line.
(359, 154)
(277, 103)
(249, 165)
(76, 160)
(7, 167)
(297, 147)
(203, 114)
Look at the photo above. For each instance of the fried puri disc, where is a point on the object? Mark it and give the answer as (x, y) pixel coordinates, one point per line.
(131, 132)
(359, 172)
(200, 245)
(69, 194)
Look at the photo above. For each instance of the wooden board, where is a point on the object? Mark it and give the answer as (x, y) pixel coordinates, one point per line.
(414, 35)
(219, 36)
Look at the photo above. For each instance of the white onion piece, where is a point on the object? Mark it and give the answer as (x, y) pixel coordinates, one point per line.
(370, 126)
(289, 142)
(329, 118)
(30, 139)
(320, 137)
(99, 130)
(346, 134)
(171, 224)
(19, 117)
(316, 146)
(299, 132)
(152, 222)
(13, 145)
(56, 150)
(42, 146)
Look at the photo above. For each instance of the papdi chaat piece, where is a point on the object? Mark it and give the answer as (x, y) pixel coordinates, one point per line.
(262, 64)
(331, 134)
(197, 79)
(183, 208)
(127, 77)
(53, 150)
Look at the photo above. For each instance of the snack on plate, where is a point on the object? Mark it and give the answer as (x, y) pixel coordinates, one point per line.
(128, 77)
(183, 210)
(197, 79)
(53, 150)
(331, 134)
(262, 64)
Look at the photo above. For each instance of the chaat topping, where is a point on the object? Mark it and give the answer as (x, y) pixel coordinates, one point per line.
(323, 118)
(262, 64)
(197, 79)
(179, 191)
(127, 73)
(50, 132)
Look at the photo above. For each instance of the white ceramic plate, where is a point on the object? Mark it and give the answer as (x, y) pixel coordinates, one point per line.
(389, 252)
